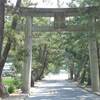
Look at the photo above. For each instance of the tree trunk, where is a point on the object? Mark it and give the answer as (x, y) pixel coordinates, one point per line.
(3, 57)
(71, 74)
(3, 92)
(2, 10)
(89, 80)
(41, 72)
(83, 76)
(32, 81)
(77, 75)
(38, 72)
(98, 51)
(43, 61)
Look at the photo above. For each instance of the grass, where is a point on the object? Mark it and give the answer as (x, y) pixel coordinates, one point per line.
(8, 81)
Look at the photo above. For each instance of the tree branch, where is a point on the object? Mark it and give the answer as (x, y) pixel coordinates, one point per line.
(6, 51)
(16, 10)
(17, 7)
(2, 10)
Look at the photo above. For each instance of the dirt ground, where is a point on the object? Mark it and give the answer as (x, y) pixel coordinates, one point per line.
(17, 95)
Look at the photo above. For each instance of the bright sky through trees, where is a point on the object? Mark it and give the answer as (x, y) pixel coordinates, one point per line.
(48, 3)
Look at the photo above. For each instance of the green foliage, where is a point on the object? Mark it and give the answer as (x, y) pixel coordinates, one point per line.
(27, 3)
(21, 54)
(52, 68)
(10, 89)
(17, 66)
(8, 81)
(84, 3)
(17, 83)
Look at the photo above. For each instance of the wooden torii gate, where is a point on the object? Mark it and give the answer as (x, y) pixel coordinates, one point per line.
(59, 15)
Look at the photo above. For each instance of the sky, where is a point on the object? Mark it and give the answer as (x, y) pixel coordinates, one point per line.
(48, 3)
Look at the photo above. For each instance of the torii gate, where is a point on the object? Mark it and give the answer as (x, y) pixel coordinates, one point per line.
(59, 15)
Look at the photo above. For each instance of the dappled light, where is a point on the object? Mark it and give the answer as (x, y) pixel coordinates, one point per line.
(59, 89)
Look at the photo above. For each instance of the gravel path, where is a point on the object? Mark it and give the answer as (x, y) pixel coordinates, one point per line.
(57, 88)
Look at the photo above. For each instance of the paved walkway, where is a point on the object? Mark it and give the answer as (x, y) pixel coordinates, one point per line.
(57, 88)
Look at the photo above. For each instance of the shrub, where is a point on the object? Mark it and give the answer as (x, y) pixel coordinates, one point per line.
(17, 83)
(10, 89)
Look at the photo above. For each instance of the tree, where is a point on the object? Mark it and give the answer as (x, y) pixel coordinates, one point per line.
(3, 56)
(4, 51)
(92, 38)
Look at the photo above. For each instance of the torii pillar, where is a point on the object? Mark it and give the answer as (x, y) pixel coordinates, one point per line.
(94, 68)
(26, 77)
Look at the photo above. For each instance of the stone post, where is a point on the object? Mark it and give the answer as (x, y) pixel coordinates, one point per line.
(28, 59)
(94, 69)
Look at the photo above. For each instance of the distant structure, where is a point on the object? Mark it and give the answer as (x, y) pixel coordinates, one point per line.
(7, 72)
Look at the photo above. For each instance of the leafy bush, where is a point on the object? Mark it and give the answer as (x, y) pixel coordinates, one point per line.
(10, 89)
(17, 83)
